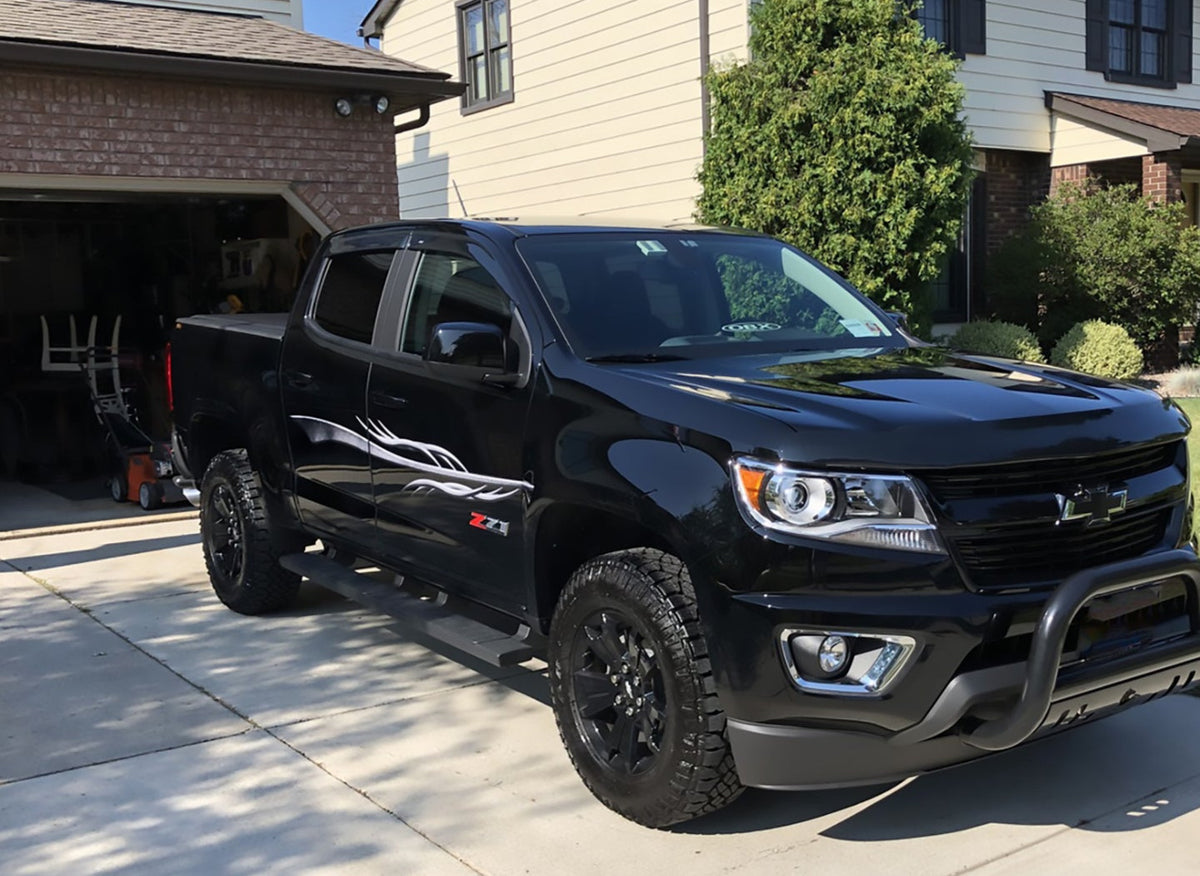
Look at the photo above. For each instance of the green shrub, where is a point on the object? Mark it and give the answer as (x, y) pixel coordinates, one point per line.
(843, 135)
(1093, 251)
(997, 339)
(1099, 348)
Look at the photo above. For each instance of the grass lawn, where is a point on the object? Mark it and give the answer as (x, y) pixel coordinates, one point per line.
(1191, 407)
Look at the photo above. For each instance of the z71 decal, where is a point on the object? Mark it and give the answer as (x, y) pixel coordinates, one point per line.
(489, 524)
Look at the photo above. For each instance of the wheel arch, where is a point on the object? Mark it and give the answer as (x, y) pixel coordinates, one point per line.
(567, 535)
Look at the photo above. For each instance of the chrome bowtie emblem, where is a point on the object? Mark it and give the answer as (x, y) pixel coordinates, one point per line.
(1096, 504)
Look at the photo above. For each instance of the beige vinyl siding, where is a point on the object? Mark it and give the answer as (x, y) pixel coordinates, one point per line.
(606, 118)
(1074, 143)
(287, 12)
(1034, 47)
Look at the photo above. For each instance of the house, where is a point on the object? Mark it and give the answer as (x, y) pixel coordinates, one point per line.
(156, 160)
(599, 109)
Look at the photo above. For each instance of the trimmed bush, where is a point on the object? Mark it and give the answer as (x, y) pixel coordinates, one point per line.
(1093, 252)
(997, 339)
(1098, 348)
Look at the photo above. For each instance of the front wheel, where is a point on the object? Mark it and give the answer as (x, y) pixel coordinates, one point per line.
(241, 549)
(633, 692)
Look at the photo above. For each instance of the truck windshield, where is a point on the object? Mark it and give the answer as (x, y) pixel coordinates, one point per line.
(659, 295)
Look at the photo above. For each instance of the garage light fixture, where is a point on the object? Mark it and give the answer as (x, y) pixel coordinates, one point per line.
(344, 106)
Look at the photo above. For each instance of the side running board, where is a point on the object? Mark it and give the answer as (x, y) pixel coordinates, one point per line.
(428, 618)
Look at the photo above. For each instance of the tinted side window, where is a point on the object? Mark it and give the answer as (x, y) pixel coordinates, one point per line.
(451, 288)
(350, 294)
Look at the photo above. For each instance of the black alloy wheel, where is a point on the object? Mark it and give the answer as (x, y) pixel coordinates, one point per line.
(224, 539)
(633, 693)
(617, 684)
(241, 547)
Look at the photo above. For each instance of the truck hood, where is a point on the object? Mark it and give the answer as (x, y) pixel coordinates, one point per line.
(925, 406)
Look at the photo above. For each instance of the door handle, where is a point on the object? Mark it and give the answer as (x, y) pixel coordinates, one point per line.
(387, 400)
(298, 379)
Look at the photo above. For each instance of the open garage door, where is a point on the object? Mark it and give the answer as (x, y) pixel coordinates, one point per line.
(98, 272)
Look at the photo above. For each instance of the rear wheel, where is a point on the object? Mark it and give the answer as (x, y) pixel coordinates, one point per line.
(241, 549)
(118, 487)
(633, 692)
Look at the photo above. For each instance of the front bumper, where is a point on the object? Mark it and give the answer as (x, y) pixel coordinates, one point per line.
(989, 709)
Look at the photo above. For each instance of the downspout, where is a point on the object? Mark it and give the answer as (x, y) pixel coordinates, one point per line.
(420, 121)
(705, 113)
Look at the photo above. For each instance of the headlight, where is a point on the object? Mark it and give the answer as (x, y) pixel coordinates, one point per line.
(883, 511)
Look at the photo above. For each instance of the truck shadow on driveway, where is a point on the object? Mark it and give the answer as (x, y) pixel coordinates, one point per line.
(1118, 774)
(1122, 773)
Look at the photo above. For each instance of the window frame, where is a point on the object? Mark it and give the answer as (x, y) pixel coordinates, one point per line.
(471, 104)
(964, 23)
(1136, 31)
(311, 320)
(1176, 62)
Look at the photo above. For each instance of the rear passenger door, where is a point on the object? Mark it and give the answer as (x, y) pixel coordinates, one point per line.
(323, 375)
(451, 486)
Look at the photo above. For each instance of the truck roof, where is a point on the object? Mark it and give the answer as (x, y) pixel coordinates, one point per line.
(530, 225)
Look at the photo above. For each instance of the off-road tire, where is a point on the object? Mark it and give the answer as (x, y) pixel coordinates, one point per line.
(675, 763)
(241, 547)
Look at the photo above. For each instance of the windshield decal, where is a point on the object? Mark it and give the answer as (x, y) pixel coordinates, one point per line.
(862, 329)
(738, 327)
(416, 455)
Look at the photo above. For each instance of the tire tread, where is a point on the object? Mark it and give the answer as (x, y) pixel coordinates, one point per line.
(708, 781)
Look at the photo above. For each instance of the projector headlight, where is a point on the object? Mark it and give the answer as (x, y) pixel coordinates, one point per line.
(883, 511)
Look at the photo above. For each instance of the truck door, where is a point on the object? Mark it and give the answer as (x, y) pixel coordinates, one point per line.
(323, 380)
(450, 480)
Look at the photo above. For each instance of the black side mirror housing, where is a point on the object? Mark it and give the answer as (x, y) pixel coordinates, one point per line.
(899, 317)
(475, 344)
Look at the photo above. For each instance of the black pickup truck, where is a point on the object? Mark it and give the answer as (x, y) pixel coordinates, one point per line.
(760, 535)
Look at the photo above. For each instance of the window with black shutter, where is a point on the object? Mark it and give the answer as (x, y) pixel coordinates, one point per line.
(959, 25)
(1143, 42)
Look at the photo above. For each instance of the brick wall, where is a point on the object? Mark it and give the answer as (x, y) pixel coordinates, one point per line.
(1162, 176)
(1075, 173)
(1015, 182)
(122, 125)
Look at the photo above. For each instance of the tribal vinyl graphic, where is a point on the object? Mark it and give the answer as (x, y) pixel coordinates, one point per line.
(416, 455)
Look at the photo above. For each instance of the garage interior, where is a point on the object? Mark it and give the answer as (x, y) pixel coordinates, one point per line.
(76, 262)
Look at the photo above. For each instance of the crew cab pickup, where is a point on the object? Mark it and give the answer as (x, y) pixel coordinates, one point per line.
(760, 535)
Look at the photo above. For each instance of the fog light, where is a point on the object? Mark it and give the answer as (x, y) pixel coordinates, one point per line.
(844, 663)
(832, 654)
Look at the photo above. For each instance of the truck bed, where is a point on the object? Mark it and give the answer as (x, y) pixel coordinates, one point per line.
(230, 376)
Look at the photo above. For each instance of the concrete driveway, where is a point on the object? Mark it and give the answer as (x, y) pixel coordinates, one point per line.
(144, 728)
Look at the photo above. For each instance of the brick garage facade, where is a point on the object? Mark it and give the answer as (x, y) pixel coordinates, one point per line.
(109, 125)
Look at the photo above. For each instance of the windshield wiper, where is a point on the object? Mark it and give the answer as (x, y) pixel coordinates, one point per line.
(636, 357)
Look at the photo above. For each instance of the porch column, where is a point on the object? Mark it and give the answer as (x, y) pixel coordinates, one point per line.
(1162, 176)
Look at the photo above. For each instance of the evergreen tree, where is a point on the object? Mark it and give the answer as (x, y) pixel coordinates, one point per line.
(843, 135)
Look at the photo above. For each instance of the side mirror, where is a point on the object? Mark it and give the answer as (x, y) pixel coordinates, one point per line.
(476, 344)
(899, 317)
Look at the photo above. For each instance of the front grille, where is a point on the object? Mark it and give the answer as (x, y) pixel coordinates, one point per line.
(1027, 554)
(976, 507)
(1033, 477)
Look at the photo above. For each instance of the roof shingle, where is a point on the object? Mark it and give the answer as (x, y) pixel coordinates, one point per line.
(157, 30)
(1174, 119)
